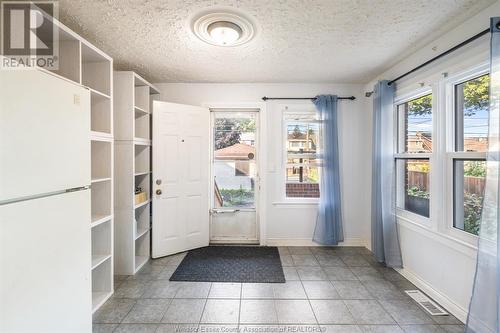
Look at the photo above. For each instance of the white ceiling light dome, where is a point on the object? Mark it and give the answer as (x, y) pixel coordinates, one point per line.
(223, 28)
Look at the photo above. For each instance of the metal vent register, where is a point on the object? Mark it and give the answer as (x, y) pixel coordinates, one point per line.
(429, 305)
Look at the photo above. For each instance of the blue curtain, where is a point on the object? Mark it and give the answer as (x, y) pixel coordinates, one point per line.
(328, 230)
(484, 310)
(385, 240)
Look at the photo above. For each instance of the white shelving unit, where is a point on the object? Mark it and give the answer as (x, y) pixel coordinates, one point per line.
(132, 124)
(84, 64)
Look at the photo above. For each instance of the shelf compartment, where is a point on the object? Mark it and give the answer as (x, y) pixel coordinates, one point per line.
(144, 182)
(102, 284)
(101, 240)
(101, 159)
(100, 117)
(101, 199)
(142, 221)
(96, 69)
(141, 97)
(142, 126)
(69, 57)
(142, 248)
(142, 158)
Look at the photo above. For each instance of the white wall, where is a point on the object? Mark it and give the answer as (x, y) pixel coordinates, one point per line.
(441, 265)
(285, 223)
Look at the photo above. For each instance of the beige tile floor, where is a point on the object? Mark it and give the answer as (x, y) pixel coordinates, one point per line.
(327, 290)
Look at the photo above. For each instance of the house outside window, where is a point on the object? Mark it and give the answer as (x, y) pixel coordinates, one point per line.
(302, 163)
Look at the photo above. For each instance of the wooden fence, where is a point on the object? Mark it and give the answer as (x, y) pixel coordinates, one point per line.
(473, 185)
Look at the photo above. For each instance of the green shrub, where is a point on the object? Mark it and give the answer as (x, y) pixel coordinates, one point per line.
(414, 191)
(236, 197)
(472, 212)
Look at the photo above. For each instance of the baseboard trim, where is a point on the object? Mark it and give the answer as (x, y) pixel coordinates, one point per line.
(309, 242)
(443, 300)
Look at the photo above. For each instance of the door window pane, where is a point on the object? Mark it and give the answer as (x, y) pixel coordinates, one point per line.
(234, 166)
(415, 125)
(469, 182)
(471, 114)
(234, 184)
(413, 185)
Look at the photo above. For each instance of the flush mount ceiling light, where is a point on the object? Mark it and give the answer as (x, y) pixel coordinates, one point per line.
(223, 29)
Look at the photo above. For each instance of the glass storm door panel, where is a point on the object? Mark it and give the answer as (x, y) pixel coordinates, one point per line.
(234, 177)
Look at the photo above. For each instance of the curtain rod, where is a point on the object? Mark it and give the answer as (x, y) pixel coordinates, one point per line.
(352, 98)
(456, 47)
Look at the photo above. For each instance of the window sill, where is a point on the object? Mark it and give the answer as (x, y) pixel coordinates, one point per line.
(413, 217)
(297, 202)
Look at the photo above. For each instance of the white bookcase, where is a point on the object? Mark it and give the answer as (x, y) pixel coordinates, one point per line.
(83, 63)
(132, 124)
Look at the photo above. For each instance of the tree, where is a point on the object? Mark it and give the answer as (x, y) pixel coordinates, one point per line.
(297, 133)
(227, 133)
(420, 106)
(476, 95)
(246, 125)
(476, 98)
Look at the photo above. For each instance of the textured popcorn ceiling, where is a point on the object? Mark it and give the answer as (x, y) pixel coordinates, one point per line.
(298, 40)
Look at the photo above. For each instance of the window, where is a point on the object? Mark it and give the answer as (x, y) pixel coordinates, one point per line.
(471, 107)
(414, 196)
(414, 145)
(471, 115)
(441, 144)
(302, 164)
(415, 125)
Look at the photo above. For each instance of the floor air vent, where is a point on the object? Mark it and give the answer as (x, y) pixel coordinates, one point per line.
(429, 305)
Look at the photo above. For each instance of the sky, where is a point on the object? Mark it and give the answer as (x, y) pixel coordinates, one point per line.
(474, 126)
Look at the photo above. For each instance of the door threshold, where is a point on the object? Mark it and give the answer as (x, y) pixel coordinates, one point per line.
(234, 242)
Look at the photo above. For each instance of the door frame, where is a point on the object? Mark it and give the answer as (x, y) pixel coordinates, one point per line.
(261, 202)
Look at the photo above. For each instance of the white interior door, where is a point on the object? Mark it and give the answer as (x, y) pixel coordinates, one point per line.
(181, 167)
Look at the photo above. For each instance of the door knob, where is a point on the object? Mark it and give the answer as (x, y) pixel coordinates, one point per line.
(158, 192)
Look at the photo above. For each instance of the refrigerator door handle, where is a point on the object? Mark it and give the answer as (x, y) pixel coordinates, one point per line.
(74, 189)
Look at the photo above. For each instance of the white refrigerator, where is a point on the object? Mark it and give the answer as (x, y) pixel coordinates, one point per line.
(45, 245)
